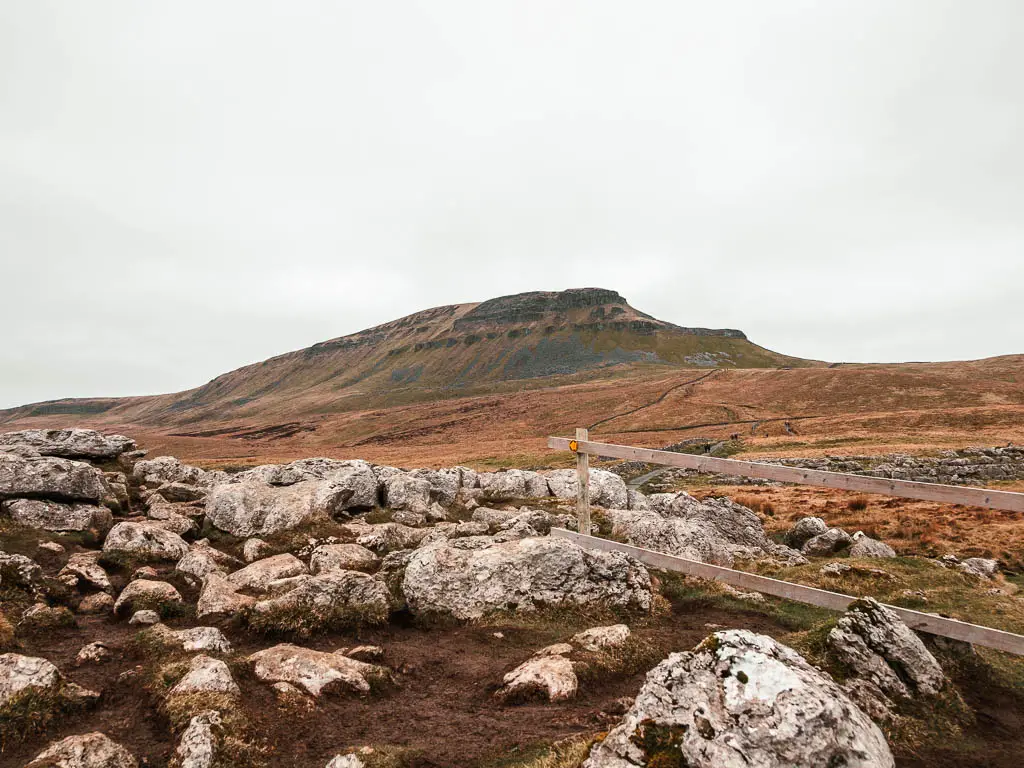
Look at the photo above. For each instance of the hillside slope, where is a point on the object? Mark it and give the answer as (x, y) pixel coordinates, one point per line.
(527, 340)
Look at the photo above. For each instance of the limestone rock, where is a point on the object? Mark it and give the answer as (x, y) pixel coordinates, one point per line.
(981, 567)
(254, 549)
(219, 597)
(20, 571)
(549, 676)
(85, 444)
(741, 700)
(713, 531)
(202, 559)
(258, 576)
(206, 675)
(51, 478)
(607, 489)
(87, 750)
(254, 508)
(144, 541)
(55, 516)
(878, 647)
(193, 639)
(408, 492)
(97, 602)
(315, 672)
(199, 743)
(84, 567)
(145, 594)
(523, 574)
(602, 638)
(20, 673)
(335, 594)
(824, 544)
(167, 469)
(93, 653)
(346, 761)
(346, 557)
(803, 529)
(865, 546)
(144, 618)
(388, 537)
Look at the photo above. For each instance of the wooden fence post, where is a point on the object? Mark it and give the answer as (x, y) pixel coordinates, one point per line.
(583, 478)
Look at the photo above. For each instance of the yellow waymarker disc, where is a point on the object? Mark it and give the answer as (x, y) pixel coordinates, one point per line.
(573, 445)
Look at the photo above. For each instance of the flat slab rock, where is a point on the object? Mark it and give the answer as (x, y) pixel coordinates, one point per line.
(145, 541)
(20, 673)
(54, 516)
(740, 700)
(51, 478)
(87, 750)
(548, 676)
(315, 672)
(523, 574)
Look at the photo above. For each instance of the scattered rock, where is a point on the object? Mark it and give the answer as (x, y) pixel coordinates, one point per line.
(144, 618)
(206, 675)
(255, 508)
(20, 571)
(523, 574)
(550, 677)
(202, 559)
(93, 653)
(87, 750)
(828, 543)
(219, 597)
(346, 557)
(144, 541)
(55, 516)
(980, 567)
(602, 638)
(97, 602)
(254, 549)
(804, 529)
(740, 700)
(258, 576)
(84, 568)
(199, 743)
(835, 569)
(50, 478)
(346, 761)
(407, 491)
(42, 617)
(330, 600)
(878, 647)
(20, 673)
(315, 672)
(865, 546)
(143, 594)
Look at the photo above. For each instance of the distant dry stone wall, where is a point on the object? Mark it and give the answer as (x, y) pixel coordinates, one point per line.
(966, 466)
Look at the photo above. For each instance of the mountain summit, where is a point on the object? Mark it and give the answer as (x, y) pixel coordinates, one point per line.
(536, 339)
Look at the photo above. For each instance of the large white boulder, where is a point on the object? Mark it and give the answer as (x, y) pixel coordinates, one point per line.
(523, 574)
(70, 443)
(55, 516)
(21, 674)
(548, 676)
(740, 700)
(607, 489)
(144, 541)
(255, 508)
(50, 477)
(407, 491)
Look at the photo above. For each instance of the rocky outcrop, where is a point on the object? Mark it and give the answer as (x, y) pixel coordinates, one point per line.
(86, 444)
(346, 557)
(254, 508)
(144, 541)
(713, 531)
(740, 700)
(46, 477)
(607, 489)
(877, 647)
(524, 574)
(315, 672)
(87, 750)
(54, 516)
(167, 469)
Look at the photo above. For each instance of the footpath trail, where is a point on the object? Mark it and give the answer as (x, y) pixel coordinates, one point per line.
(654, 402)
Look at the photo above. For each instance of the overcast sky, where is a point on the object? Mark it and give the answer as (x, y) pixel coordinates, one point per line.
(187, 187)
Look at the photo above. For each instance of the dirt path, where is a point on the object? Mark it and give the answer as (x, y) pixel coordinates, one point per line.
(660, 397)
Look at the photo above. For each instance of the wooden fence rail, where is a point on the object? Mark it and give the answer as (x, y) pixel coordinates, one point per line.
(950, 494)
(923, 622)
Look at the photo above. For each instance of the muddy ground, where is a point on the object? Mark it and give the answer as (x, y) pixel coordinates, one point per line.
(442, 704)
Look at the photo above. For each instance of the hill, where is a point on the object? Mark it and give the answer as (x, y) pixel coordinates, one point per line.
(531, 339)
